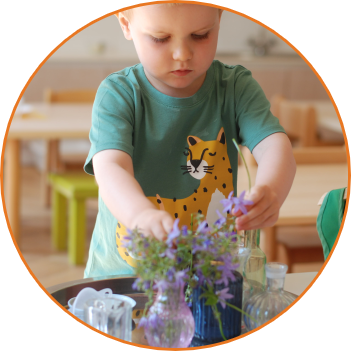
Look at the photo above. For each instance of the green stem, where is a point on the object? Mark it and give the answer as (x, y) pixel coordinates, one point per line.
(191, 228)
(240, 310)
(219, 322)
(243, 159)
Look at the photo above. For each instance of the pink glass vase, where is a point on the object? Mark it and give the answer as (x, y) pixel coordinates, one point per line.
(170, 321)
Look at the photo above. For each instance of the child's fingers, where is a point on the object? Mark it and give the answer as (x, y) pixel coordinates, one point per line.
(258, 218)
(256, 195)
(261, 214)
(239, 212)
(162, 226)
(259, 223)
(158, 231)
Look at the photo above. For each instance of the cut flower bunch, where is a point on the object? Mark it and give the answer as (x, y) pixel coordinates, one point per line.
(202, 257)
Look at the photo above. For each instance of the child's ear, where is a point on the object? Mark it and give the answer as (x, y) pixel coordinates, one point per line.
(220, 15)
(125, 25)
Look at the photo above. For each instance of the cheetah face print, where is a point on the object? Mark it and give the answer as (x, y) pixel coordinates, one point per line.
(202, 156)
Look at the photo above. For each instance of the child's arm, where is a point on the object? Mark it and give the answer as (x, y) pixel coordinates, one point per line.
(124, 196)
(275, 174)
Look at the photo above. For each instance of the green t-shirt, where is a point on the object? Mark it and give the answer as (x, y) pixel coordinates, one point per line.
(329, 219)
(181, 147)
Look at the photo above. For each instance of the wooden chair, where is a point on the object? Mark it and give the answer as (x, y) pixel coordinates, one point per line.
(300, 124)
(302, 244)
(56, 162)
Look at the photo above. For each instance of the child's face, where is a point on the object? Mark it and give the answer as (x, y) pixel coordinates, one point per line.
(176, 45)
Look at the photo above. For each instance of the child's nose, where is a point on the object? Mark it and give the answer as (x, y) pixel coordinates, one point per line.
(182, 52)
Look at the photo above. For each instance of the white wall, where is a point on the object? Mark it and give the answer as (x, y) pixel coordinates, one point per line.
(104, 39)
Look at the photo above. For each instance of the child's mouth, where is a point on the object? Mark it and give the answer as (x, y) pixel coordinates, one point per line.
(181, 72)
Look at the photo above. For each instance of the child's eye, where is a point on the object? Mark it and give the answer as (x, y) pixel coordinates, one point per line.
(159, 40)
(200, 37)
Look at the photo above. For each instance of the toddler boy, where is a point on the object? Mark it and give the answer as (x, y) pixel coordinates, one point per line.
(161, 134)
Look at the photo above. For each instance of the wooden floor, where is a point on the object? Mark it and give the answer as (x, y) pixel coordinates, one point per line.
(50, 266)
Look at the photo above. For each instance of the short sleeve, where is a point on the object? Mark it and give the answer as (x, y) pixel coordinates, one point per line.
(252, 111)
(112, 118)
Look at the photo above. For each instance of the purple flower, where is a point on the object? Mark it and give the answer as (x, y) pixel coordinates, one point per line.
(170, 253)
(135, 284)
(219, 222)
(223, 295)
(127, 244)
(185, 230)
(240, 203)
(170, 274)
(203, 228)
(203, 247)
(143, 322)
(161, 285)
(155, 321)
(201, 277)
(179, 260)
(180, 276)
(233, 235)
(147, 284)
(227, 203)
(227, 272)
(174, 233)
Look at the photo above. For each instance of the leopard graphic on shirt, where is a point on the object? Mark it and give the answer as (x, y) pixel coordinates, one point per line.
(207, 161)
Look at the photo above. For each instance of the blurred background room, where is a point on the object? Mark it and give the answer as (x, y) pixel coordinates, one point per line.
(48, 143)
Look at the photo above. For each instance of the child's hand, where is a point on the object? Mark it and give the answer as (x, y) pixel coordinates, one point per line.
(263, 213)
(154, 222)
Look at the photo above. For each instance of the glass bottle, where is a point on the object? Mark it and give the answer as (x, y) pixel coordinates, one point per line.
(170, 321)
(207, 329)
(243, 255)
(266, 305)
(255, 266)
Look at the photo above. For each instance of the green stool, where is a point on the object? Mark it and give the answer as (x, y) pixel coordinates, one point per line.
(76, 188)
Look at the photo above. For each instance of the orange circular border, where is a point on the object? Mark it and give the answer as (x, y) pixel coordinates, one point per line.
(196, 3)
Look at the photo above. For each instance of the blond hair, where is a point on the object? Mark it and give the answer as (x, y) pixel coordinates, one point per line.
(128, 13)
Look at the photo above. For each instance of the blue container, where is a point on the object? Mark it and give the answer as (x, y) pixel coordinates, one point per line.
(206, 326)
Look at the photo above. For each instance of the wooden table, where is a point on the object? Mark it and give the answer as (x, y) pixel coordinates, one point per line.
(301, 206)
(47, 122)
(296, 283)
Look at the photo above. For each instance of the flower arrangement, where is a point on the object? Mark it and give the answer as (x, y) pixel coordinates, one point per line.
(196, 257)
(199, 256)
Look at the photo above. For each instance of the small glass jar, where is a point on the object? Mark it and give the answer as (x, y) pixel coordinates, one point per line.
(266, 305)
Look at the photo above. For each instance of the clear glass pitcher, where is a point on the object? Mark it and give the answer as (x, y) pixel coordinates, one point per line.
(111, 315)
